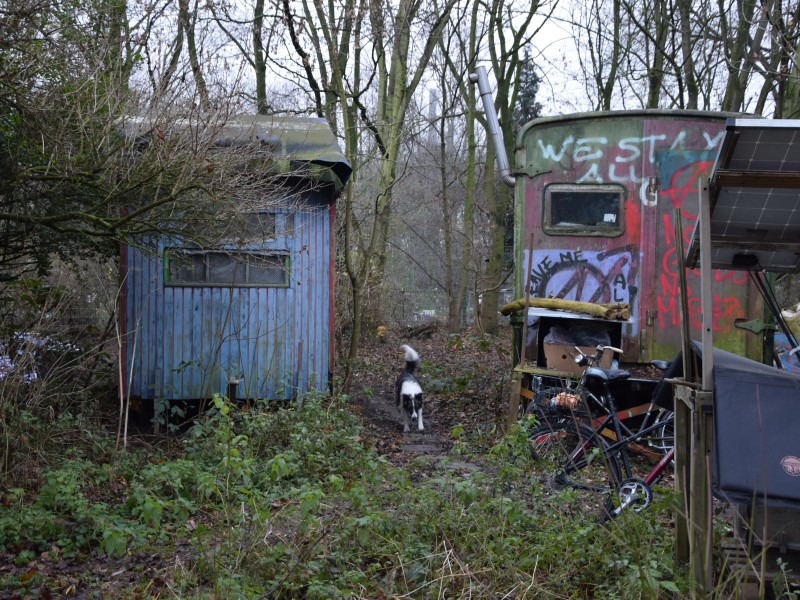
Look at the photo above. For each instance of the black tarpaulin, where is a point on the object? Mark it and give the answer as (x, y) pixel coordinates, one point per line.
(756, 432)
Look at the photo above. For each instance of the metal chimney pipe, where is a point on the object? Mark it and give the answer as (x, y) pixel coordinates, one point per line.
(493, 124)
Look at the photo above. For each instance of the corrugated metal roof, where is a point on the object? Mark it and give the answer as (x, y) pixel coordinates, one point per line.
(299, 140)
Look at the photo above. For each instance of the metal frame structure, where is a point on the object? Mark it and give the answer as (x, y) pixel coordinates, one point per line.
(749, 219)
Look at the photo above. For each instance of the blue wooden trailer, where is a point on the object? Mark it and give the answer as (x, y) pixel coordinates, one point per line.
(253, 317)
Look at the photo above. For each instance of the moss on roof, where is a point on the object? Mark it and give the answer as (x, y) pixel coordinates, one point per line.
(304, 140)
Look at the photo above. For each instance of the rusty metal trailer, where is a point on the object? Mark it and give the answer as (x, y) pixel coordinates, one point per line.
(605, 204)
(596, 200)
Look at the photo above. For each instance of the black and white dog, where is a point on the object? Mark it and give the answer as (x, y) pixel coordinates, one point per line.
(408, 392)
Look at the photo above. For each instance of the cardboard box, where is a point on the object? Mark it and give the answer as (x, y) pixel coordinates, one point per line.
(559, 357)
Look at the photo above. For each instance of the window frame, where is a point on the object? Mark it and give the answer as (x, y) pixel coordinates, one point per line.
(245, 253)
(583, 230)
(271, 218)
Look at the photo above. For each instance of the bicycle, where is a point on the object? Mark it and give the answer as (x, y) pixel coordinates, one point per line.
(588, 447)
(561, 399)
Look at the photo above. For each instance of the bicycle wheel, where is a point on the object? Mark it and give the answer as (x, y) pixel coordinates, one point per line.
(574, 459)
(663, 437)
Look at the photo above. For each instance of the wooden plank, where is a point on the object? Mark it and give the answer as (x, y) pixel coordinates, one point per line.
(534, 370)
(752, 573)
(513, 400)
(528, 266)
(755, 179)
(700, 457)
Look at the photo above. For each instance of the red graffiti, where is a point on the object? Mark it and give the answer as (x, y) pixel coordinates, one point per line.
(725, 309)
(681, 185)
(669, 267)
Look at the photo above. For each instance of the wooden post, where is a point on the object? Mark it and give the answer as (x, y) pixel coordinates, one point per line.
(703, 409)
(706, 293)
(683, 401)
(512, 412)
(528, 268)
(513, 404)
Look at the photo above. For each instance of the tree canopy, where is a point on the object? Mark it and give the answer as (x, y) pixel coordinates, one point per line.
(74, 181)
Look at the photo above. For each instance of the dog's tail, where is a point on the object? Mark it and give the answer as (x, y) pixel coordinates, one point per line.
(412, 358)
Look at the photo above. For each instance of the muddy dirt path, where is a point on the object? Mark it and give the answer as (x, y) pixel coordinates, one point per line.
(464, 379)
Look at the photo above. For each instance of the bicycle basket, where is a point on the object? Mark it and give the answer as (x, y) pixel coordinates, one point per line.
(556, 403)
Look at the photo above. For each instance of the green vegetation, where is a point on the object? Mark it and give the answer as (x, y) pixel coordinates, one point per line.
(288, 503)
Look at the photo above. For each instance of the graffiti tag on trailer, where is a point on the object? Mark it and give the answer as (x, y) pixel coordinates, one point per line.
(725, 309)
(587, 276)
(619, 161)
(611, 275)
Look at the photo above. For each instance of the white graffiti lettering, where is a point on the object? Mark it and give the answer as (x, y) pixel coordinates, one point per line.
(585, 151)
(619, 161)
(712, 143)
(549, 153)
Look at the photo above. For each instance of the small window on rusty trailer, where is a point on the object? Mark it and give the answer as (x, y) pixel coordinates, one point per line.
(225, 268)
(584, 209)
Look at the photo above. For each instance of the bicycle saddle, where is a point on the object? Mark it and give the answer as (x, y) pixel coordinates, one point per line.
(607, 374)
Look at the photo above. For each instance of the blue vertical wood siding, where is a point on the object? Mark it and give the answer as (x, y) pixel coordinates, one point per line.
(186, 342)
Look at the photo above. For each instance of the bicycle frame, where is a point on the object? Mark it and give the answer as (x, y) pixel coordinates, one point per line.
(655, 473)
(629, 490)
(618, 417)
(594, 384)
(629, 497)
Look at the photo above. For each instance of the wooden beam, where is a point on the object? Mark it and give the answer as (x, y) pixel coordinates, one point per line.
(754, 179)
(744, 243)
(512, 411)
(700, 504)
(683, 398)
(619, 311)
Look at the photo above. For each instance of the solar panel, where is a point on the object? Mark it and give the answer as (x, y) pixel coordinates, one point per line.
(754, 196)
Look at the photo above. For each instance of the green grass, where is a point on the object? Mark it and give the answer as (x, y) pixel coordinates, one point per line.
(292, 504)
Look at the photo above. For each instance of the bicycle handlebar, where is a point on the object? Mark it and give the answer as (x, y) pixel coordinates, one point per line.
(588, 359)
(599, 350)
(612, 348)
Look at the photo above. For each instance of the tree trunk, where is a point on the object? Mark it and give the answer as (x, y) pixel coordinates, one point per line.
(453, 311)
(506, 42)
(259, 59)
(606, 89)
(187, 20)
(739, 65)
(655, 73)
(604, 311)
(464, 270)
(791, 99)
(689, 77)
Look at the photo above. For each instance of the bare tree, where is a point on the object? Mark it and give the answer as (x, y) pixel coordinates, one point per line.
(724, 55)
(346, 86)
(81, 172)
(509, 33)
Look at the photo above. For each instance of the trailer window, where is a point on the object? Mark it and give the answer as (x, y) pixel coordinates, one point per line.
(571, 209)
(225, 268)
(259, 227)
